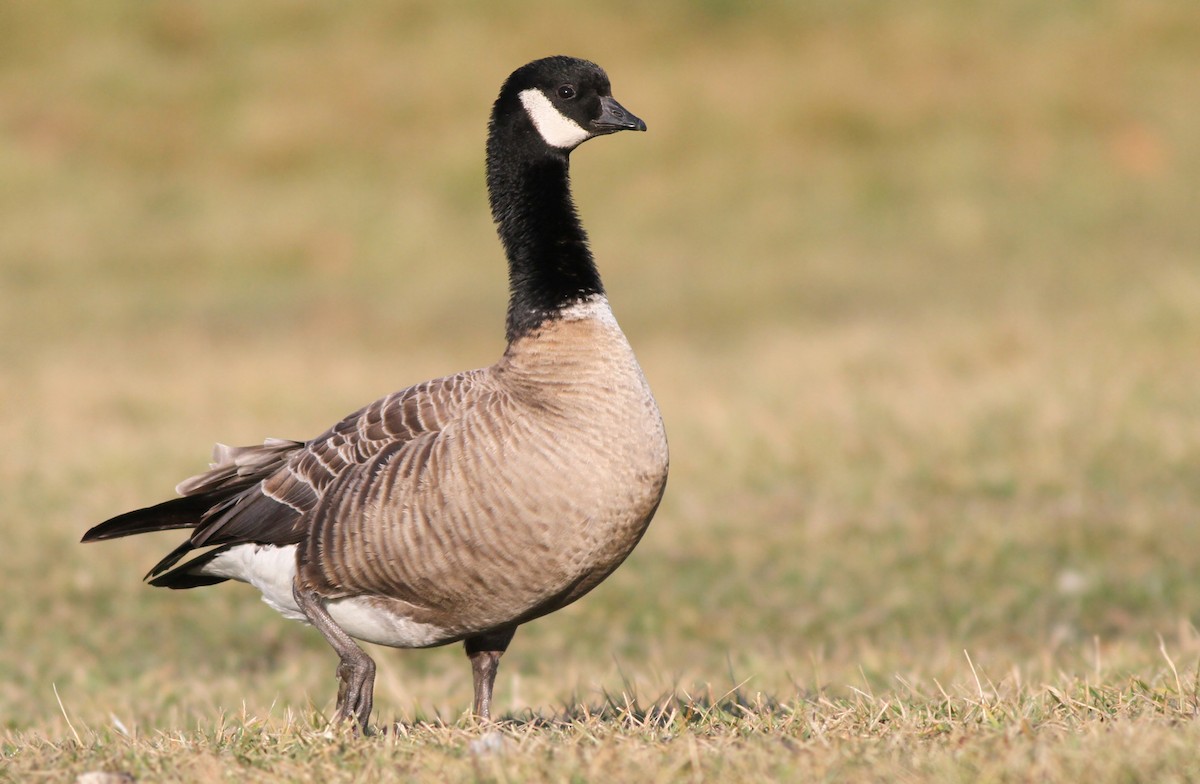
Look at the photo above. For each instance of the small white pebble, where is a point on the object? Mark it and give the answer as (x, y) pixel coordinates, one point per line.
(488, 744)
(105, 777)
(1072, 583)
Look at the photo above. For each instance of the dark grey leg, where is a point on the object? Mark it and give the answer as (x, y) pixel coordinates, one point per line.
(485, 652)
(356, 672)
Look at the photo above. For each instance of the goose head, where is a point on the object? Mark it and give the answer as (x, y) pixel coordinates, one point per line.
(559, 103)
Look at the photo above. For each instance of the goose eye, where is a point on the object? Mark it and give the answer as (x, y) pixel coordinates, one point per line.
(566, 92)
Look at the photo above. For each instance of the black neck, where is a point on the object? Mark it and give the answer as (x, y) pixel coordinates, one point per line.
(549, 263)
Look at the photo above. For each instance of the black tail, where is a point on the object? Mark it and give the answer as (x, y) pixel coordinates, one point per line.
(189, 575)
(225, 506)
(183, 512)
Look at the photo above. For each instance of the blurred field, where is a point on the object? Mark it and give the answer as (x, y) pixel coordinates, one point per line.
(917, 288)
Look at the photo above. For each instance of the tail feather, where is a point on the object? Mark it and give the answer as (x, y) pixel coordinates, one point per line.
(190, 574)
(170, 559)
(226, 505)
(185, 512)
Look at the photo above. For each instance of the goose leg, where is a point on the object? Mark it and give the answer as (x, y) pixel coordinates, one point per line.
(356, 671)
(485, 652)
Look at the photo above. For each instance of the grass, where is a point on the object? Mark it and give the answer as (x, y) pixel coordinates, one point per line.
(1020, 734)
(916, 288)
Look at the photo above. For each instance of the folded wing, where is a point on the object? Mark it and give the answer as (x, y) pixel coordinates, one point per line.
(261, 494)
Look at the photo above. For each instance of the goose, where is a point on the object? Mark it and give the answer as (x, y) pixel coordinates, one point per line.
(459, 508)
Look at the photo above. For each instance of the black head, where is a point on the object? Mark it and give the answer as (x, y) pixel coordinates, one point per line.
(562, 102)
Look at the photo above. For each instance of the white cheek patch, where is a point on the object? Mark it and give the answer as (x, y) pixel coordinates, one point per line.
(556, 129)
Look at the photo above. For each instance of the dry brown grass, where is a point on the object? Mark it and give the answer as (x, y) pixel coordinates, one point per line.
(916, 288)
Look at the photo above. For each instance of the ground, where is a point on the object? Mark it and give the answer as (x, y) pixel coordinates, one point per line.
(916, 287)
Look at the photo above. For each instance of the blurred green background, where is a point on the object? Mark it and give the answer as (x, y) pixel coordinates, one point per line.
(916, 285)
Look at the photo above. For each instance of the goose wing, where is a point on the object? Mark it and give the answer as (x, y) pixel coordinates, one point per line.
(261, 494)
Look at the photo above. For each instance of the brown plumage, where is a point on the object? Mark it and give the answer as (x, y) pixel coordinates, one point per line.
(461, 507)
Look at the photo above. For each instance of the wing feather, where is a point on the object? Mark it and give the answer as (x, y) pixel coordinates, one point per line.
(262, 494)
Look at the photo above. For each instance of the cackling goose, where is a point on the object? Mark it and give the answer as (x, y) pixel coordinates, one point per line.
(462, 507)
